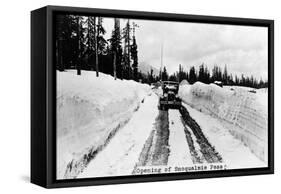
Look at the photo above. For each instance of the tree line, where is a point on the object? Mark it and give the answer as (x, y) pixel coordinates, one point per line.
(204, 75)
(81, 45)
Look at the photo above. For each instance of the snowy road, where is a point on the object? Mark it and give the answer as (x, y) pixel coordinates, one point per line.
(155, 138)
(180, 153)
(103, 134)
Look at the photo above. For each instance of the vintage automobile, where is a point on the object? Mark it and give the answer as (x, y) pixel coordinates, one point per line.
(170, 98)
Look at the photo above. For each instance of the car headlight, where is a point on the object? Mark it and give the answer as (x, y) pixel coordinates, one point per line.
(165, 95)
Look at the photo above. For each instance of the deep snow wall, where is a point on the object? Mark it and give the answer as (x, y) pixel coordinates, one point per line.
(89, 109)
(245, 110)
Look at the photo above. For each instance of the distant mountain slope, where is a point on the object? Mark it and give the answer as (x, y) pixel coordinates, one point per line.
(144, 68)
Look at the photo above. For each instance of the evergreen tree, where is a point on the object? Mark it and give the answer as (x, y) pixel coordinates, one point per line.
(102, 43)
(126, 55)
(186, 76)
(116, 49)
(201, 76)
(151, 76)
(225, 76)
(237, 81)
(181, 74)
(61, 28)
(164, 75)
(67, 41)
(206, 76)
(79, 44)
(230, 78)
(134, 55)
(192, 75)
(91, 38)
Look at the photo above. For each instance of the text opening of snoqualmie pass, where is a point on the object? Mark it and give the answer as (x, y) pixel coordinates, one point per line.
(139, 97)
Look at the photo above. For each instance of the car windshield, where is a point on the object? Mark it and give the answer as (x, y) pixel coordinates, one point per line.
(171, 83)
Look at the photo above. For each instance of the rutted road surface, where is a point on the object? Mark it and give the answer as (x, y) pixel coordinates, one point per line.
(180, 142)
(208, 151)
(151, 138)
(156, 148)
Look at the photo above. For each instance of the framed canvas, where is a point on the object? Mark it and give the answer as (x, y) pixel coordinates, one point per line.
(128, 96)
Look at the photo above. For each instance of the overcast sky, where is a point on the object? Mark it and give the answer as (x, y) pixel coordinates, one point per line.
(242, 49)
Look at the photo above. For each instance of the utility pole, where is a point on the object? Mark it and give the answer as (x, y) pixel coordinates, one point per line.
(161, 61)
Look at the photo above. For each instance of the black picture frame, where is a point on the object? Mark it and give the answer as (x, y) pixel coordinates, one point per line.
(43, 96)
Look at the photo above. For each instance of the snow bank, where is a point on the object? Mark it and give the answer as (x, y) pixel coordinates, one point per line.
(235, 154)
(184, 82)
(89, 109)
(120, 156)
(237, 106)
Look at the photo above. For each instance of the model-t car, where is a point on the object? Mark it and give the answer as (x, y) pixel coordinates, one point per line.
(170, 98)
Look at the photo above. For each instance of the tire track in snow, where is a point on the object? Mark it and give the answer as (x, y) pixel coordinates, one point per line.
(156, 149)
(194, 151)
(144, 156)
(207, 150)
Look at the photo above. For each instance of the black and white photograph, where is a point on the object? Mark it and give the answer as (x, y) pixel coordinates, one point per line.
(140, 97)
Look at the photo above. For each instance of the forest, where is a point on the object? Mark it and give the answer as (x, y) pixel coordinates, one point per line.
(204, 75)
(81, 45)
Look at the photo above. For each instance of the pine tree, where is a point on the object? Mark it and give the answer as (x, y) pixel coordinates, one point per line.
(79, 45)
(231, 82)
(165, 75)
(60, 30)
(66, 42)
(96, 31)
(187, 76)
(91, 39)
(181, 74)
(206, 76)
(192, 75)
(134, 55)
(102, 43)
(116, 48)
(201, 76)
(151, 76)
(127, 52)
(225, 76)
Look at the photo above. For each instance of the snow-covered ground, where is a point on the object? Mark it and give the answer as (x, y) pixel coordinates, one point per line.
(108, 127)
(236, 111)
(121, 155)
(235, 153)
(179, 150)
(89, 109)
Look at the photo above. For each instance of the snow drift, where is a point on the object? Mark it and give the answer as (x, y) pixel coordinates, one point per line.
(246, 110)
(90, 110)
(184, 82)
